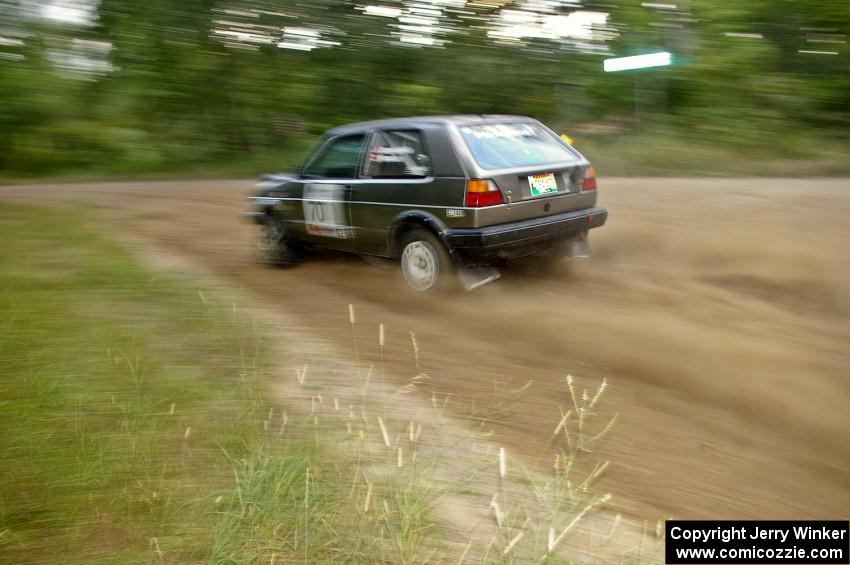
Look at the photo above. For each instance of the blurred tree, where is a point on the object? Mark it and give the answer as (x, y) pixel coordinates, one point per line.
(202, 81)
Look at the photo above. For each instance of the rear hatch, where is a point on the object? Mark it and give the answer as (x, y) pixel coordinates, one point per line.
(537, 172)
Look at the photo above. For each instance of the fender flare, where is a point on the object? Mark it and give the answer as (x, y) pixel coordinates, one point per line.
(422, 218)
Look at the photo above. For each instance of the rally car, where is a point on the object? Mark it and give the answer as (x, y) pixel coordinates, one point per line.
(449, 198)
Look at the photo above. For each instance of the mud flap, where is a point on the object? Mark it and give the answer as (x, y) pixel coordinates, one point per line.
(578, 247)
(475, 277)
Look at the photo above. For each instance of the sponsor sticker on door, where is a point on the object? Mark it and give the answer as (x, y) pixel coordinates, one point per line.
(324, 210)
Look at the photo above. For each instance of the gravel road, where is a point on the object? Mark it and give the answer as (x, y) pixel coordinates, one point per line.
(717, 309)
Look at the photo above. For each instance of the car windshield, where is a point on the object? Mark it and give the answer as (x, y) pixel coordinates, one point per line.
(501, 146)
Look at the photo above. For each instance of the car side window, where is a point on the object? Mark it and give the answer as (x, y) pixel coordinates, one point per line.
(398, 154)
(338, 159)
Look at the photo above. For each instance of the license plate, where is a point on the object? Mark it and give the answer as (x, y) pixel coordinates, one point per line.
(542, 184)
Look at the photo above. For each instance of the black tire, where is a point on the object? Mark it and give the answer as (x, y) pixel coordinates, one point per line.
(424, 261)
(273, 245)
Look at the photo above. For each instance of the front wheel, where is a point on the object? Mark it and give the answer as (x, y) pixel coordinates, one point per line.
(273, 245)
(425, 263)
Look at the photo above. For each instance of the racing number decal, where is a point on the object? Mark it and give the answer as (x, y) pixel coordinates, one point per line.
(324, 210)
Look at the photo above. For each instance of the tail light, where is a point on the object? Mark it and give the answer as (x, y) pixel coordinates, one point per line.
(589, 182)
(480, 193)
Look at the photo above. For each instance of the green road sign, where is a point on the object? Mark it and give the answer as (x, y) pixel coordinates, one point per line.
(637, 62)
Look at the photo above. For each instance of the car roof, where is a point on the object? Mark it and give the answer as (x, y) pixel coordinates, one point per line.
(417, 121)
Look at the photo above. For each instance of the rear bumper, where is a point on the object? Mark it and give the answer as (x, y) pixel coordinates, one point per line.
(515, 239)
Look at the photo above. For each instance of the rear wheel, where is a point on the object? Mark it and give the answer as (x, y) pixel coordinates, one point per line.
(273, 245)
(425, 263)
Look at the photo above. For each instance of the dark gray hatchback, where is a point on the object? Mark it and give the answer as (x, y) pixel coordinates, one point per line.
(440, 195)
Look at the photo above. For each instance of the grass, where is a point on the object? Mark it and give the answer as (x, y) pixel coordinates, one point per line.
(703, 152)
(697, 147)
(232, 166)
(119, 393)
(137, 425)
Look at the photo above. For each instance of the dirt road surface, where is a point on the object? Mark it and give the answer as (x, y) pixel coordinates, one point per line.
(717, 309)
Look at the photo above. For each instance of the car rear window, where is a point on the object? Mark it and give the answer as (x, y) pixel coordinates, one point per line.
(501, 146)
